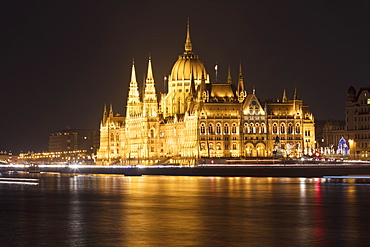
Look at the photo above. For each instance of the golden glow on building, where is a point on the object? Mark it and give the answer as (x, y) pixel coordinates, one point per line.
(197, 118)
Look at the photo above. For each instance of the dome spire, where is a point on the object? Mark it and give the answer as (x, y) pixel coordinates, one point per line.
(188, 45)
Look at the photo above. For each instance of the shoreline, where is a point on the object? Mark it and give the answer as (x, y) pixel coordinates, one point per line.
(218, 170)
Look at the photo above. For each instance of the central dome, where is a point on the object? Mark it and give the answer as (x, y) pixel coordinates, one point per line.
(188, 64)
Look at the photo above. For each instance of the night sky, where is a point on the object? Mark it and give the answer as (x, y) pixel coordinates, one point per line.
(61, 61)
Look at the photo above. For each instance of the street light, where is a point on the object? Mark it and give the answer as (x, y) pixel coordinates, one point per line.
(351, 142)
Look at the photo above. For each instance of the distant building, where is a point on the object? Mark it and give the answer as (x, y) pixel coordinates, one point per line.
(7, 157)
(357, 130)
(73, 140)
(332, 132)
(198, 118)
(66, 157)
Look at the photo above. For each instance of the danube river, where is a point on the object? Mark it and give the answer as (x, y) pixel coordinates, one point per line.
(105, 210)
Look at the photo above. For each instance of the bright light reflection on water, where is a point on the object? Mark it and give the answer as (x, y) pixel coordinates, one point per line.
(104, 210)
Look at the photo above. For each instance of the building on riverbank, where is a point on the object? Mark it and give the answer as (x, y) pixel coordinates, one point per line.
(74, 140)
(357, 130)
(200, 118)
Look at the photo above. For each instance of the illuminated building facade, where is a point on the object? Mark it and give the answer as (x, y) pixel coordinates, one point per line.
(198, 118)
(358, 122)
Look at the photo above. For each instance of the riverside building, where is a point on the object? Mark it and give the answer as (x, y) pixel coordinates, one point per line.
(198, 118)
(357, 129)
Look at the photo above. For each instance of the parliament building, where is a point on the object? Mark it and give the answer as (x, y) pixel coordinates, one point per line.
(198, 118)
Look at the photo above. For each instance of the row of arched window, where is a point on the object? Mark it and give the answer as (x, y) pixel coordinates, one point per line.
(218, 128)
(286, 130)
(249, 128)
(203, 146)
(254, 128)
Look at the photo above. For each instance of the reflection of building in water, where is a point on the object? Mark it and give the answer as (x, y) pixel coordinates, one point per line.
(200, 118)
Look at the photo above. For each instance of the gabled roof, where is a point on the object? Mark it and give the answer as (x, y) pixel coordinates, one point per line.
(252, 106)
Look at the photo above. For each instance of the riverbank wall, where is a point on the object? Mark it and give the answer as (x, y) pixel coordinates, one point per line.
(209, 170)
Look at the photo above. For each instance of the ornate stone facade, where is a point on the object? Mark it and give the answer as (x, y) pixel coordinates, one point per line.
(197, 118)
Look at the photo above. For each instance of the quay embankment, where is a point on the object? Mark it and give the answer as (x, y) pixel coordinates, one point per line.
(237, 170)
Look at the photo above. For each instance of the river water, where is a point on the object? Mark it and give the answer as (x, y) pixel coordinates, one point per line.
(103, 210)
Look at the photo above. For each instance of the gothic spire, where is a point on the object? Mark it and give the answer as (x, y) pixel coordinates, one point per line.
(295, 93)
(133, 74)
(241, 80)
(241, 93)
(202, 93)
(229, 79)
(150, 70)
(284, 99)
(105, 114)
(133, 100)
(110, 110)
(192, 84)
(150, 102)
(188, 45)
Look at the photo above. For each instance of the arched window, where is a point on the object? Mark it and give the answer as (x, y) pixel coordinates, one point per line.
(297, 129)
(257, 128)
(226, 130)
(251, 128)
(151, 133)
(282, 129)
(233, 128)
(263, 128)
(218, 146)
(290, 128)
(117, 137)
(245, 130)
(202, 146)
(218, 128)
(202, 128)
(210, 146)
(234, 146)
(112, 137)
(210, 128)
(274, 128)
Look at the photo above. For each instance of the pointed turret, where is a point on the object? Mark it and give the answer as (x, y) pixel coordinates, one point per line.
(188, 45)
(105, 115)
(192, 86)
(241, 80)
(133, 107)
(150, 70)
(284, 98)
(229, 79)
(202, 92)
(240, 91)
(295, 93)
(192, 94)
(110, 110)
(150, 102)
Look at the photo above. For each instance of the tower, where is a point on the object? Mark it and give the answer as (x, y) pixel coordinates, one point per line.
(241, 93)
(133, 107)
